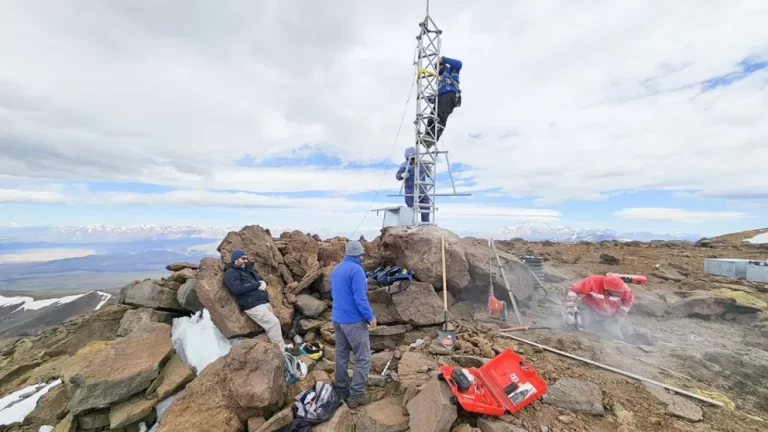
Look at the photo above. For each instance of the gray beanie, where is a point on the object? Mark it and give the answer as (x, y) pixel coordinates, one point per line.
(354, 248)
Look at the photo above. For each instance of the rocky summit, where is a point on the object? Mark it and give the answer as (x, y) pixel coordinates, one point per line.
(135, 365)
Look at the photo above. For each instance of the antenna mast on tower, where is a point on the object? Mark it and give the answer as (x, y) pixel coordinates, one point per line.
(427, 59)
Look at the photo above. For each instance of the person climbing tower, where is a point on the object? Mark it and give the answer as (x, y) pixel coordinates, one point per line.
(448, 97)
(406, 174)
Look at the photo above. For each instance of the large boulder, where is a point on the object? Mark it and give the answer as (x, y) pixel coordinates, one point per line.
(310, 306)
(385, 415)
(255, 374)
(467, 277)
(432, 410)
(647, 303)
(149, 294)
(176, 374)
(225, 312)
(519, 276)
(576, 396)
(187, 296)
(419, 248)
(705, 305)
(248, 382)
(136, 318)
(258, 243)
(98, 377)
(419, 305)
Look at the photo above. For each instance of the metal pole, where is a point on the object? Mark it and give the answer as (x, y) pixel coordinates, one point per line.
(612, 369)
(506, 283)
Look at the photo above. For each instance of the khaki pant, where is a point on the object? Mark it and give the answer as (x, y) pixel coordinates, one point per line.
(265, 317)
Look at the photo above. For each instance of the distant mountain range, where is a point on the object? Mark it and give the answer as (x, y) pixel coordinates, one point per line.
(128, 238)
(542, 232)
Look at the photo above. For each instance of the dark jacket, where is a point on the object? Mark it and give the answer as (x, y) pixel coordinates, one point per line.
(244, 285)
(449, 77)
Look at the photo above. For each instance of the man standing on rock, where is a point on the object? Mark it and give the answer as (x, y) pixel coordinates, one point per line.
(250, 290)
(351, 315)
(599, 303)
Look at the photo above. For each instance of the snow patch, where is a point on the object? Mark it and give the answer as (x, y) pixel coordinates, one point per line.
(11, 301)
(15, 407)
(39, 304)
(29, 303)
(104, 298)
(198, 341)
(758, 239)
(45, 428)
(160, 409)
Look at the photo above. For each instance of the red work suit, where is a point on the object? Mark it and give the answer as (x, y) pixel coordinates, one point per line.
(595, 297)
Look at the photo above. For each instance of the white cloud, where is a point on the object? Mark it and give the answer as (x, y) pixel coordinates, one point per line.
(680, 215)
(573, 107)
(306, 205)
(30, 196)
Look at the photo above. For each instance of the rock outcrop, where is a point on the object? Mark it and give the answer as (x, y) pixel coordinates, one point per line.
(150, 294)
(136, 318)
(99, 377)
(419, 249)
(248, 382)
(435, 399)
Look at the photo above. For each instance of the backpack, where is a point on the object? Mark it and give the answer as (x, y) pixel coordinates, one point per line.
(386, 277)
(295, 369)
(317, 404)
(313, 350)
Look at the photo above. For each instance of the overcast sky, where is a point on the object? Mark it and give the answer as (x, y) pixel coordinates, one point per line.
(632, 115)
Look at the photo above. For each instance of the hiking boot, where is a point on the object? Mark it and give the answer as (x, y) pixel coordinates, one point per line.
(343, 394)
(354, 402)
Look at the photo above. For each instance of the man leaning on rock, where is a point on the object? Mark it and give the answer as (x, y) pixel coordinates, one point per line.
(250, 290)
(351, 314)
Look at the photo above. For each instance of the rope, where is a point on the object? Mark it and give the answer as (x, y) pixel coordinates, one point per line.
(389, 161)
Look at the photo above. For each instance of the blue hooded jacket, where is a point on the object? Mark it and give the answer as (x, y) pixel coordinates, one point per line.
(407, 166)
(349, 289)
(449, 79)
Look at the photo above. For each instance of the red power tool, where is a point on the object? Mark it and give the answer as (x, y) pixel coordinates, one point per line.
(631, 279)
(496, 308)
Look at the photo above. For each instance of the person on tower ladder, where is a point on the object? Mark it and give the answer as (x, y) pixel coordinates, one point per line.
(448, 97)
(406, 174)
(599, 304)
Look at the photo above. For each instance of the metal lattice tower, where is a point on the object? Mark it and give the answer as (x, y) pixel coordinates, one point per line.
(426, 60)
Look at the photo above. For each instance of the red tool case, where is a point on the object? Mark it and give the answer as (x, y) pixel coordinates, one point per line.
(506, 383)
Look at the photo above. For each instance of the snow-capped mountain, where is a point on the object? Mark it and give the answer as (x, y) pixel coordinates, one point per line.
(24, 315)
(542, 232)
(112, 233)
